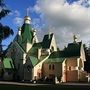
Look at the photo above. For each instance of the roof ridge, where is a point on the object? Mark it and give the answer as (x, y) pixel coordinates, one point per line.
(20, 46)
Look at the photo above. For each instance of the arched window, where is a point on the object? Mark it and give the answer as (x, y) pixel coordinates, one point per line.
(53, 67)
(49, 67)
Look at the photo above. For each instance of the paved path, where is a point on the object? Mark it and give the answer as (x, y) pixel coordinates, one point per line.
(26, 84)
(30, 84)
(76, 84)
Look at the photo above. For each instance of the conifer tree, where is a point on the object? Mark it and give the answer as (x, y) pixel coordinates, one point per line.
(5, 31)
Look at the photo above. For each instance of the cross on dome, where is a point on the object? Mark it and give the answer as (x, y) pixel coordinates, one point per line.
(27, 11)
(27, 19)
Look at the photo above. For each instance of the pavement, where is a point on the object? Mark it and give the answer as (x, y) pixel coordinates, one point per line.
(30, 84)
(21, 84)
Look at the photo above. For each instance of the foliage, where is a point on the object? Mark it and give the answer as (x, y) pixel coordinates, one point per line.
(5, 31)
(3, 9)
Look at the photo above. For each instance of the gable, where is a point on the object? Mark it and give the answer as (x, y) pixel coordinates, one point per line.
(33, 51)
(73, 49)
(20, 47)
(12, 46)
(47, 41)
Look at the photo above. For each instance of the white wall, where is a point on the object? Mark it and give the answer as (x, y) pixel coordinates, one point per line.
(53, 43)
(38, 66)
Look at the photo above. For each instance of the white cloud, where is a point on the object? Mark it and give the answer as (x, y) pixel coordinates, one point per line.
(17, 13)
(18, 21)
(64, 19)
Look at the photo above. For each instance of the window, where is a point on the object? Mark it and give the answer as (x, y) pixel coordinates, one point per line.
(49, 67)
(52, 49)
(69, 68)
(53, 67)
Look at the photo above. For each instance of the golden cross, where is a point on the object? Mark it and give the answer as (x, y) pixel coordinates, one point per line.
(27, 11)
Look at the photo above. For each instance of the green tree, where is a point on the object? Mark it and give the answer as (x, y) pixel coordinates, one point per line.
(5, 31)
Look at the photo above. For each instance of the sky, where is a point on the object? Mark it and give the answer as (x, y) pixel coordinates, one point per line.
(64, 18)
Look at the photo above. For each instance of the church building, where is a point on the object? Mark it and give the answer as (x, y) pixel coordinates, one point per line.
(33, 60)
(28, 54)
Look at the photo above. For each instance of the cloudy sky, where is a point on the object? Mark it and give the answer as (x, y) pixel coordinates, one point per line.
(64, 18)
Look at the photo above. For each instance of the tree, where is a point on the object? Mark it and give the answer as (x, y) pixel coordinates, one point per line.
(5, 31)
(4, 11)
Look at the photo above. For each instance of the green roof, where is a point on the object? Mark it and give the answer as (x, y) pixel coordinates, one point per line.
(54, 60)
(18, 39)
(19, 46)
(8, 64)
(33, 51)
(47, 41)
(72, 50)
(33, 60)
(26, 33)
(38, 45)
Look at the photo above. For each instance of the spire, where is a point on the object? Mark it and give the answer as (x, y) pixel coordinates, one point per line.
(27, 19)
(26, 31)
(74, 38)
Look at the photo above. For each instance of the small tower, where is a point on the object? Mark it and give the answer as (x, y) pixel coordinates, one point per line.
(26, 33)
(19, 31)
(35, 39)
(74, 39)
